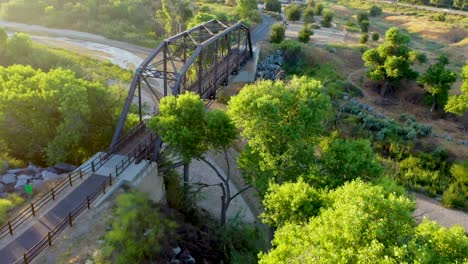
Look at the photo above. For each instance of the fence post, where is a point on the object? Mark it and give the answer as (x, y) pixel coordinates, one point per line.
(104, 187)
(69, 179)
(25, 259)
(53, 194)
(92, 165)
(49, 239)
(110, 179)
(32, 209)
(81, 174)
(88, 202)
(10, 228)
(70, 219)
(116, 171)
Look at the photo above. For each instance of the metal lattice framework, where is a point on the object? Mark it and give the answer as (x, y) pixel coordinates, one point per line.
(198, 60)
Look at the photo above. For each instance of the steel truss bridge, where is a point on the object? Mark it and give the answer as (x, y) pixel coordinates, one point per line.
(200, 60)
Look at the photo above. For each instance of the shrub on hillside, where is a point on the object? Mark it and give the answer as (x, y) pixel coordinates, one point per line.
(305, 33)
(277, 33)
(363, 39)
(293, 12)
(375, 36)
(273, 6)
(327, 18)
(375, 11)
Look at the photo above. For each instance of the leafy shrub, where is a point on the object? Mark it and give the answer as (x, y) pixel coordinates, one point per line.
(305, 33)
(241, 242)
(273, 5)
(439, 17)
(375, 36)
(456, 196)
(364, 25)
(293, 12)
(277, 33)
(6, 205)
(138, 231)
(361, 16)
(327, 18)
(318, 9)
(364, 38)
(375, 11)
(287, 202)
(308, 15)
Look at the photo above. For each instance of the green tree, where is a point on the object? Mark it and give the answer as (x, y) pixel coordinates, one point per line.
(327, 18)
(391, 61)
(360, 223)
(318, 9)
(248, 10)
(361, 16)
(305, 33)
(51, 114)
(282, 122)
(273, 5)
(200, 18)
(375, 11)
(3, 40)
(181, 124)
(375, 36)
(138, 231)
(364, 26)
(277, 33)
(345, 160)
(364, 38)
(457, 104)
(174, 14)
(437, 2)
(293, 12)
(308, 15)
(190, 131)
(435, 244)
(290, 202)
(437, 81)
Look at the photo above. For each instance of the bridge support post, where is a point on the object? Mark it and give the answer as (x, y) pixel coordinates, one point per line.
(10, 228)
(139, 100)
(70, 219)
(49, 239)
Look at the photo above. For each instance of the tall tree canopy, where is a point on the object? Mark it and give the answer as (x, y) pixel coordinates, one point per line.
(458, 104)
(53, 114)
(345, 160)
(282, 121)
(437, 81)
(362, 223)
(391, 61)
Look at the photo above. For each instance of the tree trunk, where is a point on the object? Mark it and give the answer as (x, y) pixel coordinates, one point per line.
(384, 89)
(186, 184)
(433, 103)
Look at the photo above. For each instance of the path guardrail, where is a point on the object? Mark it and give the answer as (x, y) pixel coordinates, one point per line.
(52, 235)
(34, 207)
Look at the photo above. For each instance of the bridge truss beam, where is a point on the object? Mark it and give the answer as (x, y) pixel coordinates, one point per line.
(198, 60)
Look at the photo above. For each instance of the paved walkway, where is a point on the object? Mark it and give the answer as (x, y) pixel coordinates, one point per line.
(22, 243)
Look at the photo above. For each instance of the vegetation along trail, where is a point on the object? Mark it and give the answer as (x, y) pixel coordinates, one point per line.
(426, 206)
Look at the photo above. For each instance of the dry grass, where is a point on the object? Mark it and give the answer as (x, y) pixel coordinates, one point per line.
(432, 30)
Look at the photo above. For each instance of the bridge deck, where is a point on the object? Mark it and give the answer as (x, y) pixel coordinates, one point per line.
(15, 250)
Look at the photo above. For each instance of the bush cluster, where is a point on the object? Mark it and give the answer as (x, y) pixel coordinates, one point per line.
(385, 127)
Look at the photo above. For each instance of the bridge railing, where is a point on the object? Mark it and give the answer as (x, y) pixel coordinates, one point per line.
(35, 207)
(52, 235)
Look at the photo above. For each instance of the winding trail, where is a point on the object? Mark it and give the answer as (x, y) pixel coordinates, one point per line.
(425, 205)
